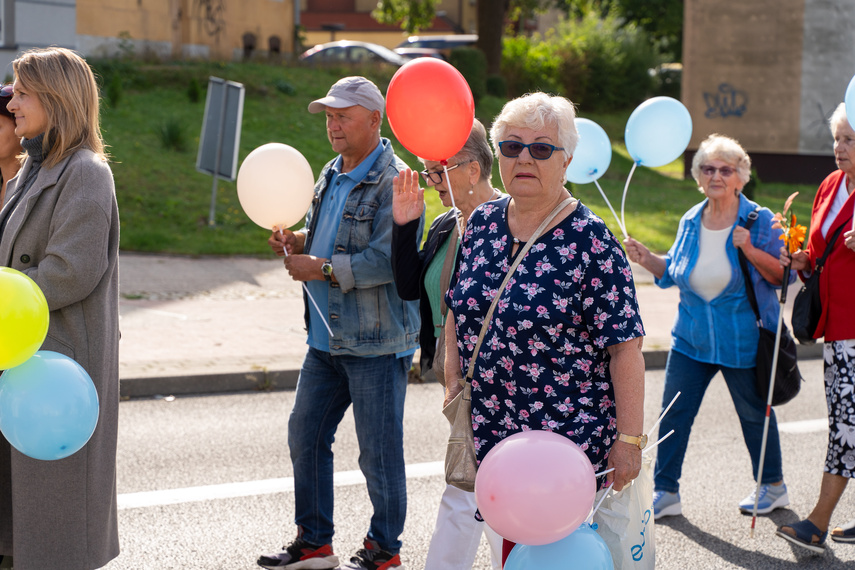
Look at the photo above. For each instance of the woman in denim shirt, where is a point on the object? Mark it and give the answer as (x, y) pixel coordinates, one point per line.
(716, 329)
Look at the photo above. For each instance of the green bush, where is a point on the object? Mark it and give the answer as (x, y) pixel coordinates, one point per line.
(114, 91)
(472, 64)
(172, 135)
(194, 90)
(497, 86)
(601, 64)
(530, 65)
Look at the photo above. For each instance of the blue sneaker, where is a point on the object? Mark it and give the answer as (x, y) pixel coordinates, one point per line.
(666, 504)
(771, 497)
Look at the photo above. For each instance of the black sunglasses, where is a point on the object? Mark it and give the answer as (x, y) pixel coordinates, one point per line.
(538, 151)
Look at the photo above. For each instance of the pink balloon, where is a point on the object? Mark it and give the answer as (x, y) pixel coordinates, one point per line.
(535, 487)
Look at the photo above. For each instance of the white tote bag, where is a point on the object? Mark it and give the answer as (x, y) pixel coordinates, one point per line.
(625, 521)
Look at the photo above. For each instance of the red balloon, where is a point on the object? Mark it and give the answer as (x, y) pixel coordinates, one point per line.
(430, 108)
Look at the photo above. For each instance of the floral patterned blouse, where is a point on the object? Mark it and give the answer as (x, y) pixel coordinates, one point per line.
(543, 363)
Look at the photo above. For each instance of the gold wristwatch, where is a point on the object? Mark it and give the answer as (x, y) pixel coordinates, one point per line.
(638, 440)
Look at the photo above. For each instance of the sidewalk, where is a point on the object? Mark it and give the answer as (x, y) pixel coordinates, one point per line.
(202, 325)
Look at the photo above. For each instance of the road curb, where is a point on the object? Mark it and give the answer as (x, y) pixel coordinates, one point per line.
(274, 380)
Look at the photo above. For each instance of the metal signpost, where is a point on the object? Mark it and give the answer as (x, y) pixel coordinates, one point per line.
(218, 147)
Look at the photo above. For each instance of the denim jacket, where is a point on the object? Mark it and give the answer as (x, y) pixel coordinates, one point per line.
(722, 331)
(366, 315)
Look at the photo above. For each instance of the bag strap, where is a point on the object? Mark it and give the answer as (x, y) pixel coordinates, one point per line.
(821, 262)
(520, 256)
(743, 263)
(447, 265)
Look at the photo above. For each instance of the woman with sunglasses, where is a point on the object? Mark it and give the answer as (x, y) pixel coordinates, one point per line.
(716, 329)
(562, 351)
(10, 143)
(423, 275)
(60, 226)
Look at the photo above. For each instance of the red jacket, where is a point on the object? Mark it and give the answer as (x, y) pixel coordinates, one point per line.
(837, 281)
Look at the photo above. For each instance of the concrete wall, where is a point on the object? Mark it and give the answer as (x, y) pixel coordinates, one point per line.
(828, 63)
(769, 73)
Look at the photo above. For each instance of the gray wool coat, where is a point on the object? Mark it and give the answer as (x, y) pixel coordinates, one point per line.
(65, 236)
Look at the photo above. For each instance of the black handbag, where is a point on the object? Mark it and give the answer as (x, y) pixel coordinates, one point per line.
(807, 307)
(788, 378)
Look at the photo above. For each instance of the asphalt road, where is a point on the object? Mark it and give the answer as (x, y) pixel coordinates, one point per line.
(204, 482)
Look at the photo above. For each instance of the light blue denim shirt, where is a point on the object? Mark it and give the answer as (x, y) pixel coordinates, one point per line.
(722, 331)
(365, 313)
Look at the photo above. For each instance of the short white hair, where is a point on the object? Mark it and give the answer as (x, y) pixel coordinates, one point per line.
(538, 111)
(838, 117)
(720, 147)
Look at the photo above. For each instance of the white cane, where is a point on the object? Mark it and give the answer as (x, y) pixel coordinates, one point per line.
(783, 299)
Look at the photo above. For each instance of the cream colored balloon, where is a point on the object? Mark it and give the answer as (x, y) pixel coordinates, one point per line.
(275, 185)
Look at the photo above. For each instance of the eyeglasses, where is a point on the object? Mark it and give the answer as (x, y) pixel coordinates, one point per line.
(726, 171)
(538, 151)
(6, 91)
(434, 178)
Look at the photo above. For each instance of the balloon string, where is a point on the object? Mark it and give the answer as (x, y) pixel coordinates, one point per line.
(609, 204)
(653, 445)
(590, 518)
(312, 299)
(451, 193)
(665, 411)
(623, 199)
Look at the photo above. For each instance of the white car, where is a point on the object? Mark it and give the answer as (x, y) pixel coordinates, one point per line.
(351, 52)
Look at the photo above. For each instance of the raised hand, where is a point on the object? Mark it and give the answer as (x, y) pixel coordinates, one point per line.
(408, 199)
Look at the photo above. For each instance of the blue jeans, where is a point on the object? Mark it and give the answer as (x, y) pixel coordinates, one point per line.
(328, 385)
(691, 378)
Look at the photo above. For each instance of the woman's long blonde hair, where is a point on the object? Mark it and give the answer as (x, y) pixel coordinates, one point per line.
(65, 86)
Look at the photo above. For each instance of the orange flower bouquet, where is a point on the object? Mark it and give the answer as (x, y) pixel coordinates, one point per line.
(793, 233)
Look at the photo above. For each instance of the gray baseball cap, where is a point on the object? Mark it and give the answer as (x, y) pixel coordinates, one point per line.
(348, 92)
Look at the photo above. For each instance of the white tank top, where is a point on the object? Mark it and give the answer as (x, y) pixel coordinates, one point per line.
(712, 272)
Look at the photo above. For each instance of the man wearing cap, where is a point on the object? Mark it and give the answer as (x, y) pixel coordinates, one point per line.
(343, 256)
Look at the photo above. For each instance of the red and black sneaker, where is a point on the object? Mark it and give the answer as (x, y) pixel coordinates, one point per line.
(373, 558)
(300, 555)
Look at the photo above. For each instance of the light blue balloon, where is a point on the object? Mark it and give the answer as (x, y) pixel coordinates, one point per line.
(658, 131)
(582, 549)
(48, 406)
(849, 101)
(593, 154)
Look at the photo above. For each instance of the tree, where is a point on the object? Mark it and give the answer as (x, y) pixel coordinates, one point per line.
(412, 15)
(491, 25)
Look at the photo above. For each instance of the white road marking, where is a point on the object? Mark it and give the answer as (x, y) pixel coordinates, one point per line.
(146, 499)
(804, 426)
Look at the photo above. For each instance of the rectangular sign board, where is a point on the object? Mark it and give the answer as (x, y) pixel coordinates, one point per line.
(218, 146)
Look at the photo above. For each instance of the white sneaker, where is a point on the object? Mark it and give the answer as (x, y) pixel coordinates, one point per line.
(771, 497)
(667, 504)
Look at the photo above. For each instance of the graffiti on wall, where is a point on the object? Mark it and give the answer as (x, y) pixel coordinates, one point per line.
(728, 101)
(212, 14)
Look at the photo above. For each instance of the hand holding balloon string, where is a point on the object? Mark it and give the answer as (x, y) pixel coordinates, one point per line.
(647, 449)
(289, 242)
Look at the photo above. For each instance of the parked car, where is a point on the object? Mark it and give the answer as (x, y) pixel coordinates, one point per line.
(413, 52)
(351, 52)
(443, 43)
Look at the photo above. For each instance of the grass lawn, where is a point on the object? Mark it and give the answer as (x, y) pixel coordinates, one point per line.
(164, 202)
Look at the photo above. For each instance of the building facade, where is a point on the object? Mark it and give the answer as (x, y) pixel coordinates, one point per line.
(769, 73)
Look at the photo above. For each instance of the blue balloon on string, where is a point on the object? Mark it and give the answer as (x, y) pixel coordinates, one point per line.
(849, 101)
(48, 406)
(658, 131)
(581, 549)
(593, 154)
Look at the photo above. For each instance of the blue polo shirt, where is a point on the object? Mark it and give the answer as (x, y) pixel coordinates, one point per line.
(329, 216)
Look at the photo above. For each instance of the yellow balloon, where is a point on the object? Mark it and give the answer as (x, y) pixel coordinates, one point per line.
(23, 318)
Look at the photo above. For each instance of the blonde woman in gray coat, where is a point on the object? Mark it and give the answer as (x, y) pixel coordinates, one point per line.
(60, 226)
